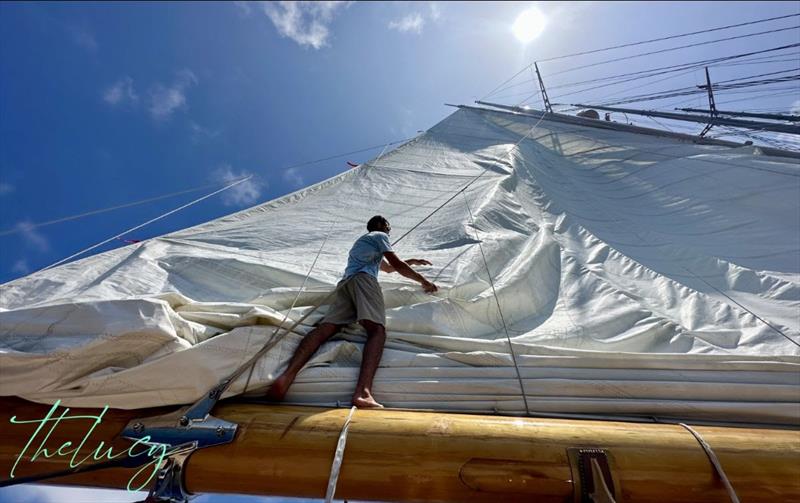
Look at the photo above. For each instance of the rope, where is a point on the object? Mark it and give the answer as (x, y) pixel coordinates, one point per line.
(274, 338)
(338, 456)
(714, 461)
(112, 238)
(296, 297)
(499, 310)
(36, 225)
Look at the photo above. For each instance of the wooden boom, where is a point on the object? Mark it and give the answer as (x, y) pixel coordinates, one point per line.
(394, 455)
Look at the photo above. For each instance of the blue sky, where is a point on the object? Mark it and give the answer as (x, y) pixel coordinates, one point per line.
(107, 104)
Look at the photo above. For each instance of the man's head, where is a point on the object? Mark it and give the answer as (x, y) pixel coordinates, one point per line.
(378, 223)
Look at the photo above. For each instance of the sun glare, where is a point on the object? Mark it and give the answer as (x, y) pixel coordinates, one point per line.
(529, 25)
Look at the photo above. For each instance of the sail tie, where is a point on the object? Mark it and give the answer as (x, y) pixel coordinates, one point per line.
(715, 462)
(338, 456)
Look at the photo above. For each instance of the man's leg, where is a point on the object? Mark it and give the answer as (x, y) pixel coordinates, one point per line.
(373, 349)
(308, 346)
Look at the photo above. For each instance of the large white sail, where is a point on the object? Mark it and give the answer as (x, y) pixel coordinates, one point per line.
(635, 274)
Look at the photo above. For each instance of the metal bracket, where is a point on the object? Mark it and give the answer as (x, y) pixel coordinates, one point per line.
(183, 431)
(169, 486)
(592, 476)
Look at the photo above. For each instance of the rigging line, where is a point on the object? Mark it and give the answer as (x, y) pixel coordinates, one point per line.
(681, 66)
(668, 37)
(692, 273)
(686, 91)
(506, 82)
(296, 297)
(793, 69)
(668, 69)
(195, 189)
(499, 310)
(689, 70)
(272, 342)
(633, 44)
(674, 49)
(252, 362)
(384, 145)
(667, 78)
(690, 92)
(714, 461)
(111, 208)
(469, 183)
(179, 208)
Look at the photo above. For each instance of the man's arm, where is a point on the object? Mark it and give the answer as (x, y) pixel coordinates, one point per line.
(387, 267)
(405, 270)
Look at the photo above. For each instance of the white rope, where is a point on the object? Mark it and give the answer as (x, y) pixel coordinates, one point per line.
(714, 461)
(99, 211)
(112, 238)
(296, 297)
(273, 340)
(338, 456)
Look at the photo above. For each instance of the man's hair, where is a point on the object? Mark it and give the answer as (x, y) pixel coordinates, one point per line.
(375, 222)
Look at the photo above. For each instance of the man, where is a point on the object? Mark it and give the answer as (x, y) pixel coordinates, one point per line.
(358, 298)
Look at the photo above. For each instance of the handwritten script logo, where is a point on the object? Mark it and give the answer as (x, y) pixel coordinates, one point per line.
(158, 452)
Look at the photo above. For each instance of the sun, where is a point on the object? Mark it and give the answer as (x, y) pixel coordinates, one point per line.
(529, 25)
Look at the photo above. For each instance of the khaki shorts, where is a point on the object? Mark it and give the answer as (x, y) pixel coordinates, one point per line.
(357, 298)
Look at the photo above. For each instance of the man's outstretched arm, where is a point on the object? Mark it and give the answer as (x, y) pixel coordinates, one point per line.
(387, 267)
(404, 269)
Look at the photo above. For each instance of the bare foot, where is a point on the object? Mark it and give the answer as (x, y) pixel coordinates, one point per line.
(278, 389)
(366, 403)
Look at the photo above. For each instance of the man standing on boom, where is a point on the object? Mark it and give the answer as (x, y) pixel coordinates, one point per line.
(358, 298)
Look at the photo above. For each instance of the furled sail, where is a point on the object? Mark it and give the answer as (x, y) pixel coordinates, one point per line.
(634, 274)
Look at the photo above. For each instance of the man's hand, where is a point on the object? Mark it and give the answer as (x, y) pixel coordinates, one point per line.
(429, 287)
(417, 261)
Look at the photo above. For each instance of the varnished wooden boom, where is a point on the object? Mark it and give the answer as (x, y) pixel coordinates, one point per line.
(423, 456)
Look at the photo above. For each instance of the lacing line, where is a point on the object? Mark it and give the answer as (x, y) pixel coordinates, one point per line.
(499, 310)
(714, 461)
(338, 456)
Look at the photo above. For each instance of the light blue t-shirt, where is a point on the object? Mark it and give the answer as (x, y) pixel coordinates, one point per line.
(367, 253)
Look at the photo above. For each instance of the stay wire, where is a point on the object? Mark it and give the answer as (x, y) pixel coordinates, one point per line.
(666, 69)
(668, 38)
(692, 273)
(36, 225)
(642, 42)
(112, 238)
(275, 339)
(269, 344)
(697, 44)
(499, 309)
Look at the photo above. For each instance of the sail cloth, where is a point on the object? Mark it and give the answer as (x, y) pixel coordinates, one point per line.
(635, 274)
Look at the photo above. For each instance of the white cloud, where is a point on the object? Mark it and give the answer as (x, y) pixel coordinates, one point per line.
(304, 22)
(6, 188)
(293, 178)
(244, 8)
(165, 100)
(436, 11)
(240, 195)
(121, 92)
(21, 267)
(31, 237)
(83, 38)
(200, 133)
(795, 108)
(411, 23)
